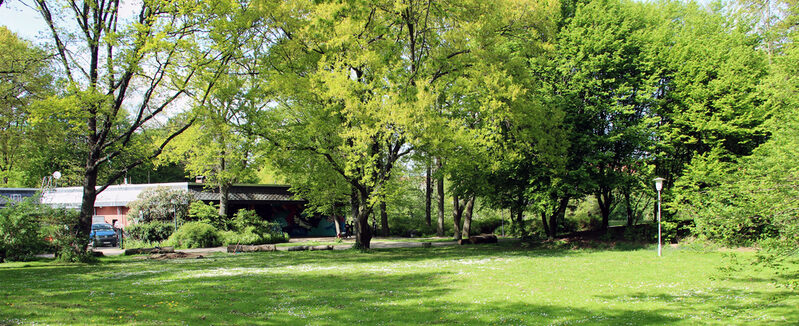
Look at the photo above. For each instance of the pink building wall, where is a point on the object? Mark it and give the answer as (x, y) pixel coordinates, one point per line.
(112, 213)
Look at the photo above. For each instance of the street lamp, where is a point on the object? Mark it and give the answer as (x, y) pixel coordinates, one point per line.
(174, 207)
(659, 187)
(56, 176)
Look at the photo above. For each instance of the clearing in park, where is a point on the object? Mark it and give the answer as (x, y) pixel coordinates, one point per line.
(502, 284)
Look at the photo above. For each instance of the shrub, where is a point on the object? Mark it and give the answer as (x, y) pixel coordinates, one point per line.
(150, 232)
(248, 237)
(131, 243)
(160, 204)
(208, 213)
(235, 237)
(20, 230)
(406, 226)
(195, 235)
(59, 228)
(486, 225)
(249, 228)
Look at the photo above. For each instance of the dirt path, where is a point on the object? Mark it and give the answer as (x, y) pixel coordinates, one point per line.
(377, 243)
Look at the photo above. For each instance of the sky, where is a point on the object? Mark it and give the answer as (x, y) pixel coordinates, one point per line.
(22, 19)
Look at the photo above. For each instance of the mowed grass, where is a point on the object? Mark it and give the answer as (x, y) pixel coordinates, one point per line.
(473, 285)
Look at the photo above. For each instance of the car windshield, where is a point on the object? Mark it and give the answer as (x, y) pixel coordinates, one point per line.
(101, 227)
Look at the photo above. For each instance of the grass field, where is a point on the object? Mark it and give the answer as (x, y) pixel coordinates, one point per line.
(490, 284)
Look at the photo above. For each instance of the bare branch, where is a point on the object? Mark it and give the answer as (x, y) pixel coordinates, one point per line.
(138, 162)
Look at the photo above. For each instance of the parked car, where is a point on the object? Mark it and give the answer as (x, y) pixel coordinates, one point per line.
(103, 234)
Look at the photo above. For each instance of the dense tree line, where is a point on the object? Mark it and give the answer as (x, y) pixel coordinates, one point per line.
(527, 106)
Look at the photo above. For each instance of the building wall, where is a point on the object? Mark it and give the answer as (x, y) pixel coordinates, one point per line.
(111, 213)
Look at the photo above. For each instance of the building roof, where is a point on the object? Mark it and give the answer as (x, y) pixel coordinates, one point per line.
(15, 194)
(247, 193)
(121, 195)
(116, 195)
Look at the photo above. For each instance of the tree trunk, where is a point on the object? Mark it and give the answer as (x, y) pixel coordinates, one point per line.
(467, 217)
(605, 199)
(224, 194)
(457, 210)
(84, 225)
(428, 194)
(629, 205)
(517, 215)
(558, 213)
(440, 191)
(363, 232)
(383, 219)
(336, 221)
(546, 225)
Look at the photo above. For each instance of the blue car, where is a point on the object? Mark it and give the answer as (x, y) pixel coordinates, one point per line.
(103, 234)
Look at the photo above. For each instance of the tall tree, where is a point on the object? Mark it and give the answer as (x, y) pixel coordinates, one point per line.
(356, 83)
(710, 103)
(123, 72)
(24, 78)
(608, 80)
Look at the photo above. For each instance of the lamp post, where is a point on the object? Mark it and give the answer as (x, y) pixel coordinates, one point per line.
(174, 212)
(56, 176)
(659, 187)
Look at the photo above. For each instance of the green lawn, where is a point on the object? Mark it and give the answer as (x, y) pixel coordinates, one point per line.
(490, 284)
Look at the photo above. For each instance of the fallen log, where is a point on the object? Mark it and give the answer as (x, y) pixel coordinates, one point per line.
(483, 238)
(251, 248)
(297, 248)
(323, 247)
(478, 239)
(427, 244)
(156, 250)
(175, 255)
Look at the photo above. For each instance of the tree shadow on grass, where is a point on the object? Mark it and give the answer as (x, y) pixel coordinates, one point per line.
(743, 306)
(321, 296)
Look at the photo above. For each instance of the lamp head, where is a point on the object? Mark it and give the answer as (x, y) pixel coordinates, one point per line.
(659, 183)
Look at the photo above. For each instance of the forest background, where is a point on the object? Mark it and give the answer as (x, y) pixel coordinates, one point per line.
(423, 116)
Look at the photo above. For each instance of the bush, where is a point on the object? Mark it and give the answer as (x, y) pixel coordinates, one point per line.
(150, 232)
(59, 228)
(486, 225)
(235, 237)
(253, 229)
(407, 226)
(20, 231)
(195, 235)
(208, 213)
(131, 243)
(160, 204)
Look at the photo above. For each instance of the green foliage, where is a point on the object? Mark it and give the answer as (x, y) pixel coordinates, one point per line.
(405, 225)
(25, 77)
(21, 236)
(208, 213)
(195, 235)
(248, 236)
(59, 227)
(132, 244)
(486, 225)
(253, 229)
(28, 228)
(160, 204)
(153, 231)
